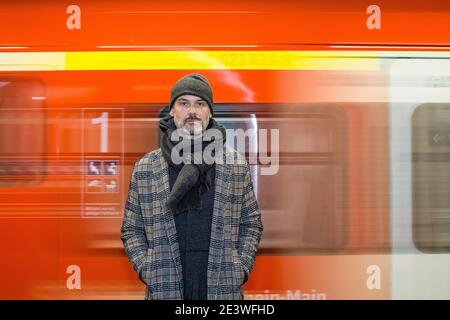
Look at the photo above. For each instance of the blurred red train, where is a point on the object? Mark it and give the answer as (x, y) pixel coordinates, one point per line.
(357, 204)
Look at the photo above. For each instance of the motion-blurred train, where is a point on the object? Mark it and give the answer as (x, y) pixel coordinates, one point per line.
(359, 93)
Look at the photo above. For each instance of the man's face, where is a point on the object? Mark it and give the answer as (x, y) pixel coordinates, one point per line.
(191, 113)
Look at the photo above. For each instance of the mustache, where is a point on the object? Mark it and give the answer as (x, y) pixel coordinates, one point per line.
(192, 118)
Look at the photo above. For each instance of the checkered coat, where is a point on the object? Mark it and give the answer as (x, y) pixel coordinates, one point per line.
(150, 238)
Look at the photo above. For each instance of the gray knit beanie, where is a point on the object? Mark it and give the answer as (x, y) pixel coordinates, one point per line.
(194, 84)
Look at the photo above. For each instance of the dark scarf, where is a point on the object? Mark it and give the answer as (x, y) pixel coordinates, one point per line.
(190, 175)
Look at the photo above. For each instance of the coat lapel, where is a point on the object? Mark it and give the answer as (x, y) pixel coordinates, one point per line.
(168, 218)
(221, 207)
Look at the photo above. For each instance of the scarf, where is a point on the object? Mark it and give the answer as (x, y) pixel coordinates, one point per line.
(190, 175)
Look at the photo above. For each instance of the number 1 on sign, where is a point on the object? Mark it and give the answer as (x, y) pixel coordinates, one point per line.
(103, 121)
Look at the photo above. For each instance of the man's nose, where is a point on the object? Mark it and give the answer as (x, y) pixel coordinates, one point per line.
(192, 112)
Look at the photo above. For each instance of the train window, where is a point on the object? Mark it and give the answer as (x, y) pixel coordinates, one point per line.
(304, 202)
(22, 132)
(248, 123)
(431, 177)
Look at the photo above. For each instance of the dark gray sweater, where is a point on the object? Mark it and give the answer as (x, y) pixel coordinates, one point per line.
(194, 233)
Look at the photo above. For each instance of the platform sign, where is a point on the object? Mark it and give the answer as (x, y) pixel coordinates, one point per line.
(102, 158)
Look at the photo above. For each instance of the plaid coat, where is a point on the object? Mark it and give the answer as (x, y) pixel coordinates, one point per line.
(150, 238)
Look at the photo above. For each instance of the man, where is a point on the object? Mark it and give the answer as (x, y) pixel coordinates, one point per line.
(191, 228)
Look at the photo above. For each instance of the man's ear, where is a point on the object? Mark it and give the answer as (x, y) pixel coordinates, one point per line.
(171, 113)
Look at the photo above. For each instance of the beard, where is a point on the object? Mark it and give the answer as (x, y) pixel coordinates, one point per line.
(194, 126)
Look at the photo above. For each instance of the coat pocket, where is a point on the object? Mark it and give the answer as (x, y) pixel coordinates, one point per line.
(240, 273)
(145, 272)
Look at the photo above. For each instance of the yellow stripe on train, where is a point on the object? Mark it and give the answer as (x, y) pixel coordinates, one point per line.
(179, 60)
(214, 60)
